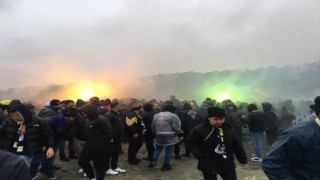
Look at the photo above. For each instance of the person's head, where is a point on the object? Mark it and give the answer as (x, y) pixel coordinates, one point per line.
(94, 100)
(55, 103)
(115, 106)
(89, 111)
(148, 107)
(252, 107)
(20, 112)
(216, 116)
(317, 106)
(69, 103)
(168, 107)
(135, 106)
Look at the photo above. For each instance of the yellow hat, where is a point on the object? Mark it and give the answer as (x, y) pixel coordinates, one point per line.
(5, 102)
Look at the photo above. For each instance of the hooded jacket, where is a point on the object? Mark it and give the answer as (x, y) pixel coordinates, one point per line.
(203, 141)
(99, 129)
(37, 132)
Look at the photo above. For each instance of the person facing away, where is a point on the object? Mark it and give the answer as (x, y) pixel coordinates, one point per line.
(213, 143)
(165, 125)
(296, 153)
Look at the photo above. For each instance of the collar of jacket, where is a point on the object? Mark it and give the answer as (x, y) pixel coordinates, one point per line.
(318, 121)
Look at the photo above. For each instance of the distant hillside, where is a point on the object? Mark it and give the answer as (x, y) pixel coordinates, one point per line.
(270, 83)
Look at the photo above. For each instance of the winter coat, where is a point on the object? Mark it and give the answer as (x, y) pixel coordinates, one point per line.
(37, 133)
(133, 123)
(204, 139)
(99, 132)
(148, 119)
(295, 154)
(189, 120)
(166, 125)
(271, 122)
(256, 121)
(115, 121)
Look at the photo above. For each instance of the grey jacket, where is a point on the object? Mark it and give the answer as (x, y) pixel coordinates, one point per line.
(165, 125)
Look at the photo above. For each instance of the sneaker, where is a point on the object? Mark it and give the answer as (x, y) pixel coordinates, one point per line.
(84, 175)
(93, 179)
(133, 162)
(256, 159)
(34, 177)
(111, 172)
(50, 176)
(80, 171)
(119, 170)
(254, 155)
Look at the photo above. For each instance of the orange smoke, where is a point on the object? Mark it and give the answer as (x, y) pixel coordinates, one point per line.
(86, 89)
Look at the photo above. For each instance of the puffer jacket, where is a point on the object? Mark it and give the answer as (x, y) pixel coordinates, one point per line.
(38, 133)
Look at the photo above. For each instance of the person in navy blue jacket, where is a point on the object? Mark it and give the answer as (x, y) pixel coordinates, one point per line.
(296, 153)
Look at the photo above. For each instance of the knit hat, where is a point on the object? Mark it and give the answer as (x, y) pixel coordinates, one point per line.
(317, 105)
(216, 112)
(135, 106)
(54, 102)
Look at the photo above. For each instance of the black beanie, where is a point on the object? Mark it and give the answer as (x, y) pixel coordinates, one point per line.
(317, 105)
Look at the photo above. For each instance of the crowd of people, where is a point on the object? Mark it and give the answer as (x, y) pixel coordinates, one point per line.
(212, 133)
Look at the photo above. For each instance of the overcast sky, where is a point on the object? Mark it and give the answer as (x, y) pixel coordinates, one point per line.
(45, 41)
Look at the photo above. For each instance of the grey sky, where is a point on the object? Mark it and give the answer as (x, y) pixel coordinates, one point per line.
(60, 41)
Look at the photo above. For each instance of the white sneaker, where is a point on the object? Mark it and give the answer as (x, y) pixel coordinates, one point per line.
(256, 159)
(119, 170)
(80, 171)
(84, 174)
(111, 172)
(93, 179)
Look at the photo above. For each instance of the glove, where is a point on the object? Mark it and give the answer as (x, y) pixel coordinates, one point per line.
(58, 120)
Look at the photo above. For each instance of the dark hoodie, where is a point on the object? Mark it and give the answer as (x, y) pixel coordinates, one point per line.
(99, 132)
(37, 132)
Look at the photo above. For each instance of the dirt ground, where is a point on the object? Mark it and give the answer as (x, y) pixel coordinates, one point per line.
(183, 169)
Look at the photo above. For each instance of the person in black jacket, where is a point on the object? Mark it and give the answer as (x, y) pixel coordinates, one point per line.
(296, 153)
(115, 147)
(213, 143)
(13, 167)
(134, 128)
(99, 135)
(271, 123)
(256, 122)
(27, 136)
(147, 116)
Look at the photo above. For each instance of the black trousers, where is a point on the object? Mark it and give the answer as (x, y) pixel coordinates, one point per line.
(113, 155)
(98, 159)
(70, 139)
(134, 146)
(177, 149)
(148, 139)
(230, 175)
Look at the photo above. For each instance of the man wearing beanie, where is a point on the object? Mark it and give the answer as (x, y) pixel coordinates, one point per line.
(295, 154)
(213, 143)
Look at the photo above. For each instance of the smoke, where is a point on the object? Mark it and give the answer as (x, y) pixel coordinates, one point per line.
(119, 44)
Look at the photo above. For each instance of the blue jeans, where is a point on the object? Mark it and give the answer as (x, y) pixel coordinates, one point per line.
(26, 159)
(256, 141)
(168, 154)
